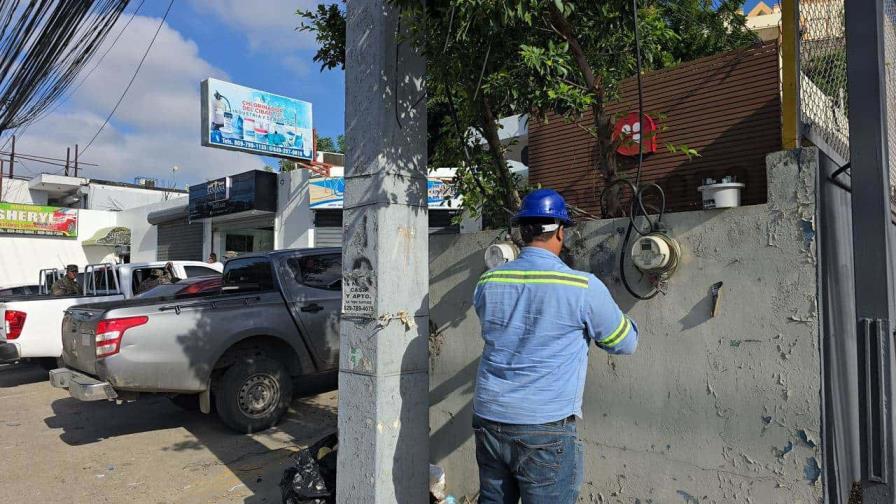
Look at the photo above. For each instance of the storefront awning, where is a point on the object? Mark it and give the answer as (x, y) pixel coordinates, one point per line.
(110, 237)
(176, 211)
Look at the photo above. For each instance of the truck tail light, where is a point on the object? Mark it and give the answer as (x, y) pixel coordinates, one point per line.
(110, 331)
(14, 322)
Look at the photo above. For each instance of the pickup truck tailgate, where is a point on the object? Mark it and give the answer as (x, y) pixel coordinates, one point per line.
(79, 339)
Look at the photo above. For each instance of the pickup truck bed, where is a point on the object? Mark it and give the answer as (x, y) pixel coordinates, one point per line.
(30, 328)
(276, 320)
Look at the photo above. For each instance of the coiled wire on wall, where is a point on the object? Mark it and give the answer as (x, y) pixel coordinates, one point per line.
(636, 188)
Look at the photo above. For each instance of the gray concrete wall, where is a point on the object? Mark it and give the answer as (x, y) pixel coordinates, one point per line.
(724, 409)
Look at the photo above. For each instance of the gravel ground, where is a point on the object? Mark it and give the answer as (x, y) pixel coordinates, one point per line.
(57, 449)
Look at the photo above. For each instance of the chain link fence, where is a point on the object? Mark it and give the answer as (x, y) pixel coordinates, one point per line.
(823, 90)
(823, 86)
(890, 68)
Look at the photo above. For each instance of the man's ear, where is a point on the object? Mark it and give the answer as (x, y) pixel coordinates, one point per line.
(561, 234)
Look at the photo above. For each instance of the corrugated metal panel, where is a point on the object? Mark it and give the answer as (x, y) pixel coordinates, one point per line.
(179, 241)
(328, 236)
(328, 226)
(725, 106)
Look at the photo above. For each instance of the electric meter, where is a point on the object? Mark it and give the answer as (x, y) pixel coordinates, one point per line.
(500, 253)
(655, 252)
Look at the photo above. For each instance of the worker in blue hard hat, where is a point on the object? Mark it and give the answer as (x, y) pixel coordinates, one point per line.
(538, 317)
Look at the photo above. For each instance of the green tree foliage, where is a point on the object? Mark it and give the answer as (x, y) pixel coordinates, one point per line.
(326, 144)
(283, 165)
(488, 59)
(327, 22)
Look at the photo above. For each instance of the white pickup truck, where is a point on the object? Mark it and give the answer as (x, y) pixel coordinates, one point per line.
(31, 324)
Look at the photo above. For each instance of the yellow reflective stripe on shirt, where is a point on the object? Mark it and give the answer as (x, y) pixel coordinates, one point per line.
(533, 273)
(618, 335)
(534, 277)
(556, 281)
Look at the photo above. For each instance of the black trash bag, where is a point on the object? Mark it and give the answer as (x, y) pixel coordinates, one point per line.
(312, 480)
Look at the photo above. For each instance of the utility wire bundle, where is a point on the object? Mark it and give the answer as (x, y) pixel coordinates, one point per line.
(43, 47)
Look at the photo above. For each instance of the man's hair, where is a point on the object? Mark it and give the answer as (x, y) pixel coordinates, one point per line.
(534, 229)
(213, 256)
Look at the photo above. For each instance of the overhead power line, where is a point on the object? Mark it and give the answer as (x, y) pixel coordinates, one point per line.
(35, 157)
(80, 83)
(43, 47)
(133, 77)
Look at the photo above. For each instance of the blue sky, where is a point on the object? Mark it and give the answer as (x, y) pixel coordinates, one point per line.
(157, 125)
(264, 66)
(752, 3)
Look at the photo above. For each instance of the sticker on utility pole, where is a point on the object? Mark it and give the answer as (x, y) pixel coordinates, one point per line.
(359, 293)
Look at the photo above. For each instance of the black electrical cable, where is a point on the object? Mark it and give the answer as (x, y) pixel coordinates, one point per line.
(80, 83)
(43, 47)
(637, 190)
(133, 77)
(834, 177)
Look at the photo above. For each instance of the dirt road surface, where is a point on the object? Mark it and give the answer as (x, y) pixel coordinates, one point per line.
(57, 449)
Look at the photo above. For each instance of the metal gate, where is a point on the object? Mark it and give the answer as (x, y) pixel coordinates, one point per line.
(179, 240)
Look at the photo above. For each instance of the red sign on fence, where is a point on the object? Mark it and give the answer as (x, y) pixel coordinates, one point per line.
(629, 132)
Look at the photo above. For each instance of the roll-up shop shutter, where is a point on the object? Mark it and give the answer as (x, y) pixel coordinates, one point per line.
(178, 240)
(328, 228)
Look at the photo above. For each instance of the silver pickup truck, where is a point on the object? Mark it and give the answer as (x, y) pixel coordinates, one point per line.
(274, 325)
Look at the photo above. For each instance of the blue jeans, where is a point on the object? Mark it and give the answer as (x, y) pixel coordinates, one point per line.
(540, 464)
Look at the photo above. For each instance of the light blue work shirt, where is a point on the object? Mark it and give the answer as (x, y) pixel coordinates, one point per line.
(538, 317)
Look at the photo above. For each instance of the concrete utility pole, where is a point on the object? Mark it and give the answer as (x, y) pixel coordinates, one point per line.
(384, 364)
(872, 245)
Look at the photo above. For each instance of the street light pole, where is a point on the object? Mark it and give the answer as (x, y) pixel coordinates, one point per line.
(872, 245)
(384, 363)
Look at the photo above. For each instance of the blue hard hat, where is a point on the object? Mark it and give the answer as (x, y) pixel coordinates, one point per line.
(544, 204)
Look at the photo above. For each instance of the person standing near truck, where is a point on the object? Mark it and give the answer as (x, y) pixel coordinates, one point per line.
(213, 259)
(538, 317)
(67, 285)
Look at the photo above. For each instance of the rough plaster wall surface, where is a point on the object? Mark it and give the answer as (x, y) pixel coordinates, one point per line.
(710, 409)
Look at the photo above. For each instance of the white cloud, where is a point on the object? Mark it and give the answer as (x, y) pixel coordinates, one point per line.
(156, 126)
(269, 25)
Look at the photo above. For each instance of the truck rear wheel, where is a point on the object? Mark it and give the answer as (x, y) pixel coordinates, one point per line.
(253, 394)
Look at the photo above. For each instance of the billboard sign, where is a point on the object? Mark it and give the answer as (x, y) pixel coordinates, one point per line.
(38, 220)
(329, 192)
(244, 119)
